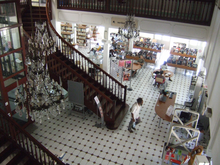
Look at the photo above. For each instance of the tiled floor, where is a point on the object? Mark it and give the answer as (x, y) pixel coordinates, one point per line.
(86, 144)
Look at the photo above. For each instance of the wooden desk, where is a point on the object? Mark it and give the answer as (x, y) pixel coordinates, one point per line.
(166, 73)
(161, 108)
(135, 68)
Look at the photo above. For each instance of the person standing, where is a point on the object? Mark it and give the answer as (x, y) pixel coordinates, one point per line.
(135, 118)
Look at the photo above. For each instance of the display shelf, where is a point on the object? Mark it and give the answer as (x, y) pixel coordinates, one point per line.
(143, 48)
(81, 34)
(183, 55)
(182, 66)
(148, 44)
(94, 32)
(137, 58)
(67, 31)
(180, 48)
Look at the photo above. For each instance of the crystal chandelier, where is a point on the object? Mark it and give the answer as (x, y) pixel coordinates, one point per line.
(129, 31)
(40, 94)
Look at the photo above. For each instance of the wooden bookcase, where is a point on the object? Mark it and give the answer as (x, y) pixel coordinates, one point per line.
(143, 48)
(67, 31)
(94, 31)
(154, 58)
(183, 57)
(81, 34)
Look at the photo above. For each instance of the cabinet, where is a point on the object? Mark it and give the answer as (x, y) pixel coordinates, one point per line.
(182, 57)
(81, 35)
(67, 31)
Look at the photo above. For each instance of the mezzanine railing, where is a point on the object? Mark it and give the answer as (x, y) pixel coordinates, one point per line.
(186, 11)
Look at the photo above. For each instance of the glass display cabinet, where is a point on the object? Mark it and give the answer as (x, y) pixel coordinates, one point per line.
(12, 53)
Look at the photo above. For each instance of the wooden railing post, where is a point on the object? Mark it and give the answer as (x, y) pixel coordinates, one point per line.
(108, 6)
(113, 109)
(125, 94)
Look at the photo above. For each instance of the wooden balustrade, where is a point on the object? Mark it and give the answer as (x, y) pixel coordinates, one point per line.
(194, 11)
(109, 106)
(107, 81)
(26, 141)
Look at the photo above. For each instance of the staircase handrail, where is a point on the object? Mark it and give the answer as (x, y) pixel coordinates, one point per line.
(70, 48)
(27, 141)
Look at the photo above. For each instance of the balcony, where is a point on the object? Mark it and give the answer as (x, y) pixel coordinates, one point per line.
(186, 11)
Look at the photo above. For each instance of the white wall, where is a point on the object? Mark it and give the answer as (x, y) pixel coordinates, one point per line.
(212, 64)
(169, 28)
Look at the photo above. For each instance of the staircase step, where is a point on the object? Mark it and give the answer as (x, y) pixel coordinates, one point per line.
(6, 152)
(67, 75)
(10, 157)
(61, 70)
(3, 140)
(55, 66)
(74, 78)
(27, 161)
(17, 158)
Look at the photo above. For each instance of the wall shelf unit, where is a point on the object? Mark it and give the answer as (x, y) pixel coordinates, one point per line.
(94, 32)
(182, 57)
(81, 34)
(143, 48)
(182, 66)
(151, 54)
(137, 58)
(67, 31)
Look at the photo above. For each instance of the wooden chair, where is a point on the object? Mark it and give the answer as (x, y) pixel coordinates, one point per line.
(189, 104)
(160, 80)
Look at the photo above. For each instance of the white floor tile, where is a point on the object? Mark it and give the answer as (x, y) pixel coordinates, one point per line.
(77, 137)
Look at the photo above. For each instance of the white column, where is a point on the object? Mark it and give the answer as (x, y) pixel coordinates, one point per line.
(105, 61)
(130, 44)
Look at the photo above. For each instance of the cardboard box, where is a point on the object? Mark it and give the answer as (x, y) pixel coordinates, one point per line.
(200, 160)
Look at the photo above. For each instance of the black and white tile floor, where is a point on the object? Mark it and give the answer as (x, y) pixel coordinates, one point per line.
(86, 144)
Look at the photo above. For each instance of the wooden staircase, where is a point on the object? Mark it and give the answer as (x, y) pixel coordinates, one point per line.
(37, 14)
(11, 153)
(112, 95)
(114, 109)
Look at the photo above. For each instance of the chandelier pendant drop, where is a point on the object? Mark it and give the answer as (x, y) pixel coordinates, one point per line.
(39, 96)
(129, 31)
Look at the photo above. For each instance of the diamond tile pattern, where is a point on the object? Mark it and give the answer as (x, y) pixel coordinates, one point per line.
(86, 144)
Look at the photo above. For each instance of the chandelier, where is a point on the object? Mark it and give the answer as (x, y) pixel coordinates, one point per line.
(129, 31)
(41, 95)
